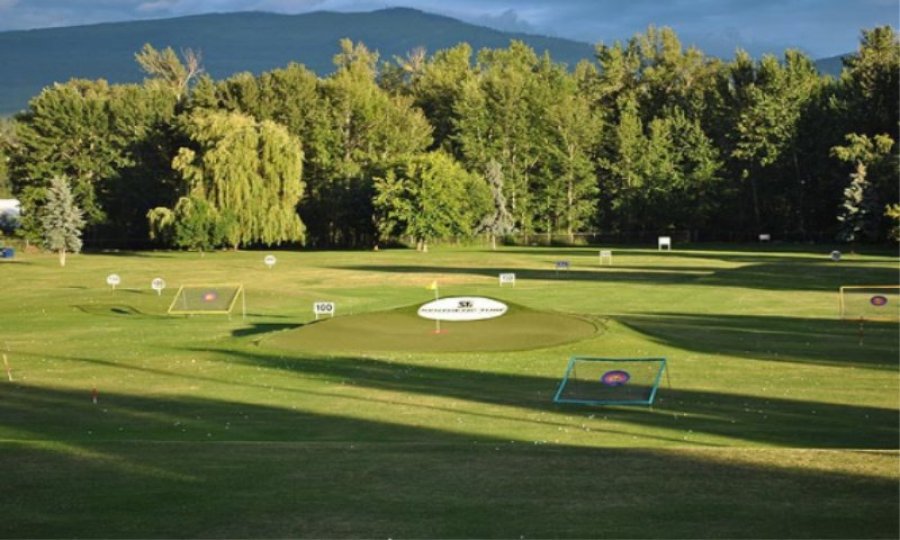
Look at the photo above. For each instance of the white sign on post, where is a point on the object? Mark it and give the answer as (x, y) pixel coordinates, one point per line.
(664, 242)
(606, 255)
(765, 237)
(158, 284)
(562, 265)
(112, 280)
(270, 260)
(508, 279)
(462, 308)
(323, 308)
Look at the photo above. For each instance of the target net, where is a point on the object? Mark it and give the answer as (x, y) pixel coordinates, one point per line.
(611, 381)
(870, 302)
(208, 300)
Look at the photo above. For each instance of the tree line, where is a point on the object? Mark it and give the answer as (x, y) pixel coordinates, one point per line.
(650, 136)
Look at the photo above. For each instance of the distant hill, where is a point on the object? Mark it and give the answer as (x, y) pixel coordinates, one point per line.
(236, 42)
(832, 65)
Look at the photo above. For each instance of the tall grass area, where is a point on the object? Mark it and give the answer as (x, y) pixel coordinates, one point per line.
(776, 419)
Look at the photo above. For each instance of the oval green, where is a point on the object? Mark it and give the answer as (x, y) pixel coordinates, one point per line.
(402, 330)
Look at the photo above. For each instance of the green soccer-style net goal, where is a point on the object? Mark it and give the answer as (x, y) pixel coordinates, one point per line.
(870, 302)
(208, 300)
(611, 381)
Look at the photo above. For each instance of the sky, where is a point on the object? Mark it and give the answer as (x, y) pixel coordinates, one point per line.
(821, 28)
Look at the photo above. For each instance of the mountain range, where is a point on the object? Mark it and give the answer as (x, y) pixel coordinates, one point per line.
(235, 42)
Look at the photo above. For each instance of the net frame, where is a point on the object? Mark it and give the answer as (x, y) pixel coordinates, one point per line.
(570, 368)
(894, 311)
(239, 292)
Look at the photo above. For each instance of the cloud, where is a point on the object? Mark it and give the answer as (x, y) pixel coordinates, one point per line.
(508, 21)
(158, 5)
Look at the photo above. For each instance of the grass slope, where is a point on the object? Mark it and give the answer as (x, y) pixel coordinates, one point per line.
(402, 330)
(777, 422)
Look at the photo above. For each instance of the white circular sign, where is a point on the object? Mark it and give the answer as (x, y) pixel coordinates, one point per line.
(113, 279)
(462, 308)
(158, 284)
(270, 260)
(835, 255)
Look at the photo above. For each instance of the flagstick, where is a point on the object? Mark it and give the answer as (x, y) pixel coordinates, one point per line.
(437, 322)
(8, 370)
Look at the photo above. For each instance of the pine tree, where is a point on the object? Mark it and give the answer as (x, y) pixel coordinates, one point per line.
(859, 212)
(61, 220)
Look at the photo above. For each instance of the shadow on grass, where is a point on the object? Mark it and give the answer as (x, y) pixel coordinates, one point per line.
(263, 328)
(769, 420)
(115, 310)
(784, 339)
(787, 275)
(736, 253)
(188, 467)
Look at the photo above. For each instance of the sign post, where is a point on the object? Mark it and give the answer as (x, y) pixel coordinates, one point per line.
(323, 308)
(508, 279)
(112, 280)
(158, 284)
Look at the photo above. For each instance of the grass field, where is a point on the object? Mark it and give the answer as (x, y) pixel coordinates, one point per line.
(776, 420)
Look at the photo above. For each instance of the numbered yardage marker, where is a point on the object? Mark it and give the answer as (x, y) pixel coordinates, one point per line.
(158, 284)
(508, 279)
(270, 260)
(113, 280)
(323, 308)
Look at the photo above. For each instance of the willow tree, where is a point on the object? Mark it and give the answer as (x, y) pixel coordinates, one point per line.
(248, 172)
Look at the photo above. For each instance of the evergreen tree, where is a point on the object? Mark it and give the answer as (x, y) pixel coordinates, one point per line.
(862, 215)
(61, 220)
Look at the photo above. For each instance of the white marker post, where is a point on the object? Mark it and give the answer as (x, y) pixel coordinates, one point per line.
(508, 279)
(664, 242)
(323, 308)
(606, 255)
(158, 284)
(270, 261)
(562, 265)
(112, 280)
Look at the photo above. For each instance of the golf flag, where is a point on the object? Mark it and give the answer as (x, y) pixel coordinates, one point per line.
(433, 287)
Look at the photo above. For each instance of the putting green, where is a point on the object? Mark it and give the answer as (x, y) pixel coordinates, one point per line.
(402, 329)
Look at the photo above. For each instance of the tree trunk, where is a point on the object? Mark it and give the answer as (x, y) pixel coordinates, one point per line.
(493, 242)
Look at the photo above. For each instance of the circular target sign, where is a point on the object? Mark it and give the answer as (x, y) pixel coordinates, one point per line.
(158, 284)
(835, 255)
(113, 280)
(270, 260)
(878, 300)
(210, 296)
(616, 377)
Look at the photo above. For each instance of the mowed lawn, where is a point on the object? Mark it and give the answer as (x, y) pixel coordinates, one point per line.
(776, 419)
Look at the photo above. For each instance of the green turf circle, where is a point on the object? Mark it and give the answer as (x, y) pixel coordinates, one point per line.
(402, 329)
